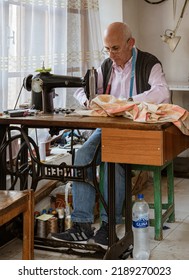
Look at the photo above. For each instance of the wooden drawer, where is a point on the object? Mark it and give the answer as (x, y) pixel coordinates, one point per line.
(149, 147)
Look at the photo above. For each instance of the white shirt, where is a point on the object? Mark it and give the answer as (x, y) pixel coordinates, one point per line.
(120, 86)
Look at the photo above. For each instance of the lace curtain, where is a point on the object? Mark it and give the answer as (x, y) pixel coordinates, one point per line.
(64, 35)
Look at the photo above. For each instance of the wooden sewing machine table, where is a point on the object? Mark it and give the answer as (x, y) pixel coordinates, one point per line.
(123, 141)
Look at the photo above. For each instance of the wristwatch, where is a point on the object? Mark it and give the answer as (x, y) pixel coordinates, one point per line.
(130, 99)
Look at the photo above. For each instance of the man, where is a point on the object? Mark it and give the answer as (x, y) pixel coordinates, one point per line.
(128, 74)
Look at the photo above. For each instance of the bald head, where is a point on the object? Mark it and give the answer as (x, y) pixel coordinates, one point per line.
(118, 42)
(118, 30)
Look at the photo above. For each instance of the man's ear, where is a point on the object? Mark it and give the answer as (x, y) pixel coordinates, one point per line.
(131, 42)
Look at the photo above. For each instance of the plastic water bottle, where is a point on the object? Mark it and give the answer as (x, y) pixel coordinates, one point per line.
(140, 216)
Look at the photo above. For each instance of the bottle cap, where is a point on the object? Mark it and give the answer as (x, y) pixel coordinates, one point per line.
(140, 196)
(44, 211)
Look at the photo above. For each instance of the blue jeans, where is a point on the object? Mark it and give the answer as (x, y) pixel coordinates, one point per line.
(84, 194)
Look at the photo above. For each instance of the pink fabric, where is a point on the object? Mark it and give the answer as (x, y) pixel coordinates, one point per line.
(107, 105)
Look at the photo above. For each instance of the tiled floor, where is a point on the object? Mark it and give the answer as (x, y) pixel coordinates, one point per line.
(174, 246)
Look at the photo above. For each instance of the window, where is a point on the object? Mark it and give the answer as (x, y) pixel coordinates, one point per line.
(64, 35)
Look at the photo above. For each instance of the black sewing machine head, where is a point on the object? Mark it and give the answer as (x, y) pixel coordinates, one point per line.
(43, 87)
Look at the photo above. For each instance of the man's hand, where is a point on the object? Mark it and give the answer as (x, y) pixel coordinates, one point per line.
(86, 104)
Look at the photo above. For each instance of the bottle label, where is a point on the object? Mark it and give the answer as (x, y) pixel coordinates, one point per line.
(142, 223)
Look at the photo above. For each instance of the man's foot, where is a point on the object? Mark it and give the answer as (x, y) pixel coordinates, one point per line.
(77, 233)
(101, 236)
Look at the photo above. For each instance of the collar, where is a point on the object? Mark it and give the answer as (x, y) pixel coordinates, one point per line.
(127, 64)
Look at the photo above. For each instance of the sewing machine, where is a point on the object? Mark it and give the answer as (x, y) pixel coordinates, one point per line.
(43, 87)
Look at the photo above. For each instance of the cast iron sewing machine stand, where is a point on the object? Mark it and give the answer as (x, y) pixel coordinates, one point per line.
(63, 172)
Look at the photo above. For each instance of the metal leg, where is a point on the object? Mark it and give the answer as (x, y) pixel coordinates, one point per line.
(3, 159)
(158, 204)
(119, 249)
(111, 203)
(170, 190)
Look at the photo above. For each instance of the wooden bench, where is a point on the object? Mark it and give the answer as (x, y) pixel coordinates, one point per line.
(12, 204)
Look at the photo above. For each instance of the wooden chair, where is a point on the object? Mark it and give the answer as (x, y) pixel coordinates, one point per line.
(162, 211)
(12, 204)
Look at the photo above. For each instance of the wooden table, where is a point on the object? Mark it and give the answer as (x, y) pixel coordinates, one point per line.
(13, 203)
(123, 141)
(181, 164)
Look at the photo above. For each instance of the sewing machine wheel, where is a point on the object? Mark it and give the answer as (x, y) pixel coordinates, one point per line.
(22, 163)
(27, 82)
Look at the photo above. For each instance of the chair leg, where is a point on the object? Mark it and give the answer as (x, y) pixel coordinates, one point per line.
(170, 190)
(158, 204)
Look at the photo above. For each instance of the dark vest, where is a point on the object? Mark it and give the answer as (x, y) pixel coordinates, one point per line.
(144, 63)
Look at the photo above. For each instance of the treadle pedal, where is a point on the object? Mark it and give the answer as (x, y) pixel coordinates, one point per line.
(70, 251)
(48, 242)
(127, 253)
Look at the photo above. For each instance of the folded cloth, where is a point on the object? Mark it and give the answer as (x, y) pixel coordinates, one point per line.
(107, 105)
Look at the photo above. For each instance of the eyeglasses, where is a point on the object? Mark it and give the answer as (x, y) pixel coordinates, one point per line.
(114, 49)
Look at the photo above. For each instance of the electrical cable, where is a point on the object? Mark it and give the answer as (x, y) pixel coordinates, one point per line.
(155, 2)
(18, 96)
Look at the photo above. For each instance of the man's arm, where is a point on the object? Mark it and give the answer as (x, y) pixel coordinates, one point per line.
(159, 91)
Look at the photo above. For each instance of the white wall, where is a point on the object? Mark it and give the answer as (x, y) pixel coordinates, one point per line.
(131, 16)
(154, 20)
(110, 11)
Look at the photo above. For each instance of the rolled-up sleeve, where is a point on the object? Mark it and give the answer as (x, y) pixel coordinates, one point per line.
(159, 91)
